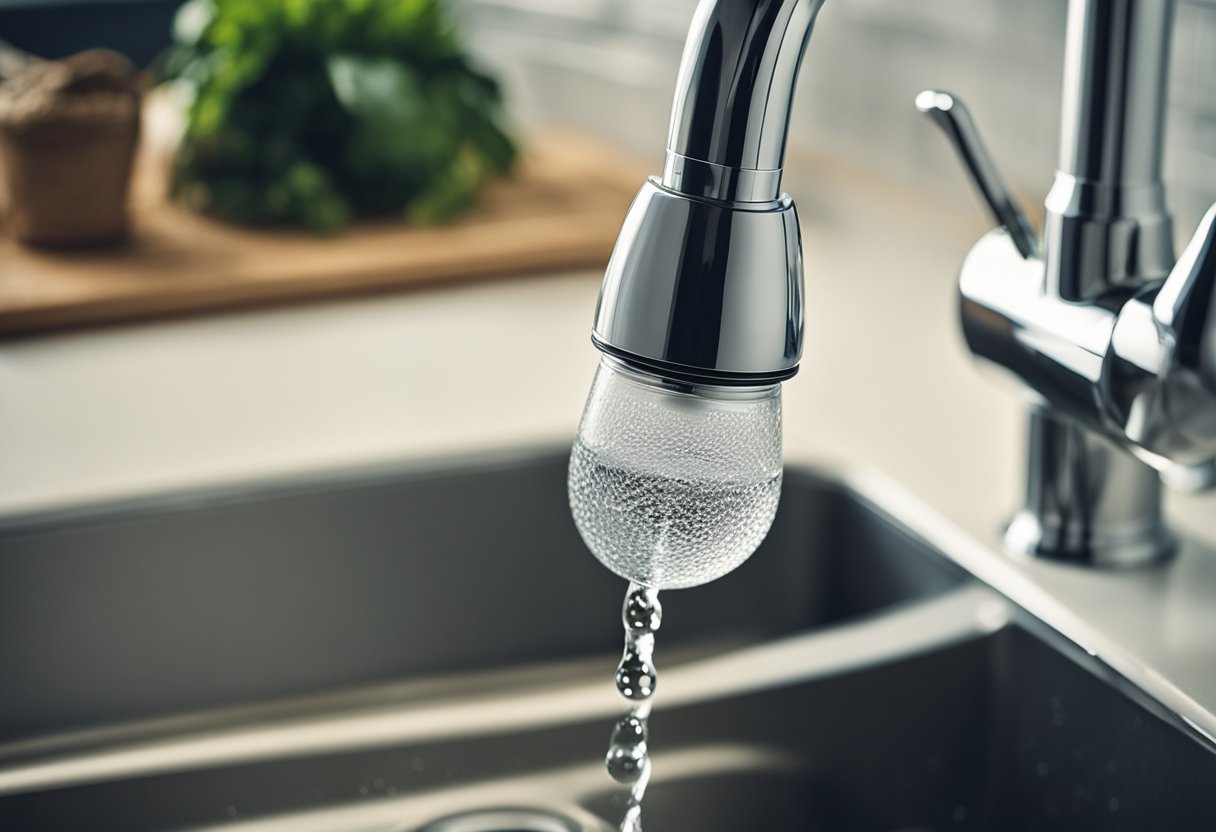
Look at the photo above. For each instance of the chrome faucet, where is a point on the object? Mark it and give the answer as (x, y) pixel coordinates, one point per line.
(1113, 339)
(705, 283)
(676, 471)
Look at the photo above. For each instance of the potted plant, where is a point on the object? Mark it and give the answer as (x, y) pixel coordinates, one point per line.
(309, 113)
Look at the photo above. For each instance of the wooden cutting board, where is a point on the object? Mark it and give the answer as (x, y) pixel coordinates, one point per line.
(561, 210)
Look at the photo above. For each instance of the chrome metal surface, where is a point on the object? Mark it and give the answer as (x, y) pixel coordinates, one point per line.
(733, 97)
(705, 282)
(719, 182)
(705, 289)
(1091, 327)
(1162, 372)
(1086, 500)
(1106, 217)
(954, 119)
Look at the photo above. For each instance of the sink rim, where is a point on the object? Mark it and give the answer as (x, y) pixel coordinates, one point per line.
(1048, 614)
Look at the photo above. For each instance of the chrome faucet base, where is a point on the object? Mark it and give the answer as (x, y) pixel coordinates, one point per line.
(1087, 501)
(1027, 537)
(1111, 336)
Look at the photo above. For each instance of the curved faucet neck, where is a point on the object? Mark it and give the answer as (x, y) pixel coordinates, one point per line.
(1107, 225)
(733, 98)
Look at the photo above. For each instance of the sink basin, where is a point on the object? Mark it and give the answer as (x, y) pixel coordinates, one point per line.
(202, 601)
(369, 653)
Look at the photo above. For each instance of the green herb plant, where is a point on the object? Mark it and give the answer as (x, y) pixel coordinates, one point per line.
(309, 112)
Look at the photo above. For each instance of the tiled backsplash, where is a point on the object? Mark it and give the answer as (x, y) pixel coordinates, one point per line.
(610, 65)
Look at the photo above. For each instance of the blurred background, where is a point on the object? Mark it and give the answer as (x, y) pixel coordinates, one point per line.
(609, 66)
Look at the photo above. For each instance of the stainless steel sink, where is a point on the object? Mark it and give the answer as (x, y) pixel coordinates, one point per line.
(208, 600)
(417, 650)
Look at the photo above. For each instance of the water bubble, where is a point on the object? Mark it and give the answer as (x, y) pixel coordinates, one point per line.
(626, 763)
(642, 612)
(675, 529)
(629, 730)
(635, 677)
(628, 757)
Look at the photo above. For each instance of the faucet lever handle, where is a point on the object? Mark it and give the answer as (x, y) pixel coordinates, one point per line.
(952, 116)
(1185, 308)
(1189, 293)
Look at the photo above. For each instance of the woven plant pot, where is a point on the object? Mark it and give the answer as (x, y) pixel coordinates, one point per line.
(68, 133)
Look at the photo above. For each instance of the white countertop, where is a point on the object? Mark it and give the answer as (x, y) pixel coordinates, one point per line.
(886, 384)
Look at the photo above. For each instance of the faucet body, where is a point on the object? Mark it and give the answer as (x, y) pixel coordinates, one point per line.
(705, 282)
(1114, 341)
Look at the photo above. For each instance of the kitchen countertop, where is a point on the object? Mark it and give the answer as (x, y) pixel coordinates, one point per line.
(886, 386)
(137, 409)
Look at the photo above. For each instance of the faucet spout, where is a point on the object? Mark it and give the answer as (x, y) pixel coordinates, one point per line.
(733, 97)
(705, 282)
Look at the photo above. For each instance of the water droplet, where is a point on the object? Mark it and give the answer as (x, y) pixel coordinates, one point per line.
(629, 730)
(378, 783)
(416, 764)
(1113, 805)
(642, 612)
(232, 811)
(1043, 768)
(635, 677)
(628, 760)
(625, 763)
(363, 788)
